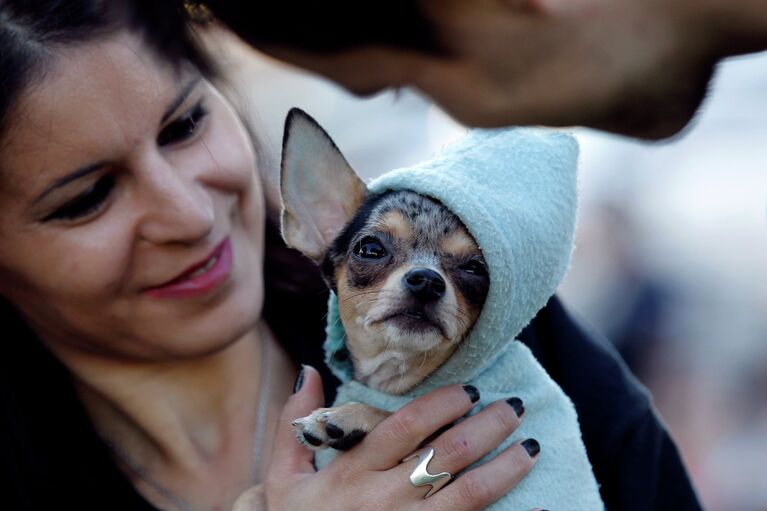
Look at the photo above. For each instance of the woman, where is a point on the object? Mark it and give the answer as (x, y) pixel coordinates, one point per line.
(138, 372)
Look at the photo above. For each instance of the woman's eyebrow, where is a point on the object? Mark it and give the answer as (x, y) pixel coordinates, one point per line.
(88, 169)
(77, 174)
(180, 98)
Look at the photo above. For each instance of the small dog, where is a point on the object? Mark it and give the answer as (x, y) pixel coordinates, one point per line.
(414, 299)
(410, 279)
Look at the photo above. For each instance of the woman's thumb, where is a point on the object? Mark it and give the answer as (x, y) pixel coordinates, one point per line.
(290, 457)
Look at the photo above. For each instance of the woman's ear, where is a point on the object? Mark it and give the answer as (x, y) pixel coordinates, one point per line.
(320, 191)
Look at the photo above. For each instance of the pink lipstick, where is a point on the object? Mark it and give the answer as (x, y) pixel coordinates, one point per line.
(201, 278)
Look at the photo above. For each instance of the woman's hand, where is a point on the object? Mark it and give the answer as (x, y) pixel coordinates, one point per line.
(371, 477)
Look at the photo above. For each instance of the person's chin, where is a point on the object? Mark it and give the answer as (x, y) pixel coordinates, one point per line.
(214, 328)
(204, 339)
(233, 319)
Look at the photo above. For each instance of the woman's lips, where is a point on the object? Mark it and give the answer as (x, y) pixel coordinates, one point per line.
(201, 279)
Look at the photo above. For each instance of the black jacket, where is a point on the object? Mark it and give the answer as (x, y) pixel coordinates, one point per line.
(634, 458)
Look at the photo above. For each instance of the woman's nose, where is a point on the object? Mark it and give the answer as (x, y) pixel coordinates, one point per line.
(176, 206)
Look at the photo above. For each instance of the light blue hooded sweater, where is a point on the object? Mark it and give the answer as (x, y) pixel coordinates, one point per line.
(515, 190)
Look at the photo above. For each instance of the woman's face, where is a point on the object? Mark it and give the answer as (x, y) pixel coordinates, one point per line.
(132, 218)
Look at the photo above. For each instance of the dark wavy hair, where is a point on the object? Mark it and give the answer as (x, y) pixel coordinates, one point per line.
(31, 30)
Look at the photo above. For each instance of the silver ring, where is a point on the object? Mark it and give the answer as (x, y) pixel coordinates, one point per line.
(420, 476)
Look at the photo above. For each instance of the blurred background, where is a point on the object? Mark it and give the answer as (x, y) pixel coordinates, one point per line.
(671, 255)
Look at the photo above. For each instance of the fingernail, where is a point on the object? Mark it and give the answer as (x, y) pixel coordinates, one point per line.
(473, 393)
(532, 447)
(299, 380)
(517, 405)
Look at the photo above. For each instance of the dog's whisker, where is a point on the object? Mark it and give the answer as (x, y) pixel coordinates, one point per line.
(423, 360)
(336, 322)
(382, 292)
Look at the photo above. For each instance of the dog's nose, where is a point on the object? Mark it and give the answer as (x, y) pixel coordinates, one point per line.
(425, 284)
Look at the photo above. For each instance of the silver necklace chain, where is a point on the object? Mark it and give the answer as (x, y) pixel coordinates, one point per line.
(163, 490)
(264, 379)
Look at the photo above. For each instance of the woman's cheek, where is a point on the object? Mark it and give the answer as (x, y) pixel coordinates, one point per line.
(99, 264)
(69, 271)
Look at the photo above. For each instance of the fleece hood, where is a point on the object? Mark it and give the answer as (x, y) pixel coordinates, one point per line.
(516, 192)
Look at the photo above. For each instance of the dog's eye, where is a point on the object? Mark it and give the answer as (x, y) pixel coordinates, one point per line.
(369, 248)
(474, 267)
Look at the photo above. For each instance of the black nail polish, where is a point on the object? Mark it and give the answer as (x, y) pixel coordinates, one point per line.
(532, 447)
(473, 393)
(299, 380)
(517, 405)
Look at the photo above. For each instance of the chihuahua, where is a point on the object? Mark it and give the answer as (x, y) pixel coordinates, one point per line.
(410, 279)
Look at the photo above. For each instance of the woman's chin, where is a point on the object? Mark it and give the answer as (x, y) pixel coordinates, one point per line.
(208, 331)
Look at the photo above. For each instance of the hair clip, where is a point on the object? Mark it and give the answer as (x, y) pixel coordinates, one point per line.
(198, 12)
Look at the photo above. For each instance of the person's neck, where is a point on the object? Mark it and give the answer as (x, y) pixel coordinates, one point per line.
(179, 406)
(188, 421)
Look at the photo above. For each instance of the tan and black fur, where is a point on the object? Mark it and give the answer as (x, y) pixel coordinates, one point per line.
(410, 279)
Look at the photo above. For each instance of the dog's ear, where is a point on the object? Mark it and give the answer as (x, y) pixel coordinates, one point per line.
(320, 191)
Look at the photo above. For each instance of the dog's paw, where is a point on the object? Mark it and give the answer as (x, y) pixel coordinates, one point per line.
(341, 427)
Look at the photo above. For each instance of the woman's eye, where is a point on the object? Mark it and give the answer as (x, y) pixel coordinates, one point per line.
(86, 203)
(182, 128)
(474, 267)
(369, 248)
